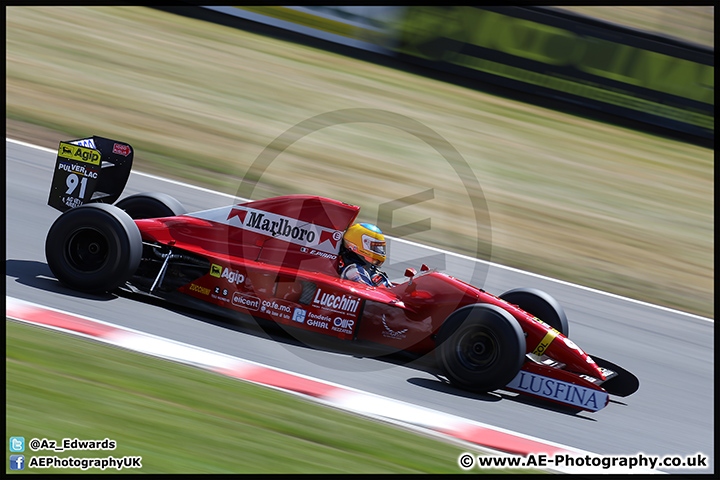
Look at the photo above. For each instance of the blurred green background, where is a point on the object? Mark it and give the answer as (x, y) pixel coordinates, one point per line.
(580, 200)
(691, 23)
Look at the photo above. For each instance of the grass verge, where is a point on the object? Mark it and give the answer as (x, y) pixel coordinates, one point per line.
(184, 420)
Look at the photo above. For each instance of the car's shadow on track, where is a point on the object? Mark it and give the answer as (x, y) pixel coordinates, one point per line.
(38, 275)
(443, 386)
(439, 384)
(305, 340)
(547, 405)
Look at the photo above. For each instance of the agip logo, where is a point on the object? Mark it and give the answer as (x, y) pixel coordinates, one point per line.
(81, 154)
(216, 270)
(232, 276)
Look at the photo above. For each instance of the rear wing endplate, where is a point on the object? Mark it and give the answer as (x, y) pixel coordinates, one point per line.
(88, 170)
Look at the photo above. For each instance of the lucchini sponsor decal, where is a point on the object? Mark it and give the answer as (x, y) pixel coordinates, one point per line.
(558, 390)
(273, 225)
(339, 303)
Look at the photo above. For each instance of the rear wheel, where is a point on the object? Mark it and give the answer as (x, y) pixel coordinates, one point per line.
(150, 205)
(481, 347)
(93, 248)
(540, 304)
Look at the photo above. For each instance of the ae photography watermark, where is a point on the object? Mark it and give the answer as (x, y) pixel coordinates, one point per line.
(401, 254)
(468, 461)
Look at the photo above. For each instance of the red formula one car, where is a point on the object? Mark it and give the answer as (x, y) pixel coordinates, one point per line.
(277, 259)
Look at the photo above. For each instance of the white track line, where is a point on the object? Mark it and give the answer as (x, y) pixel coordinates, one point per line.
(458, 255)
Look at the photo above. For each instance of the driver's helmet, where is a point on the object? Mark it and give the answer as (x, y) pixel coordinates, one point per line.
(367, 241)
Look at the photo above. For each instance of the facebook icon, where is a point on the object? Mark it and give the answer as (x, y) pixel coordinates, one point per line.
(17, 462)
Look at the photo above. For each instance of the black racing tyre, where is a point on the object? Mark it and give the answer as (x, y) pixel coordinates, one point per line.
(540, 304)
(150, 205)
(481, 347)
(93, 248)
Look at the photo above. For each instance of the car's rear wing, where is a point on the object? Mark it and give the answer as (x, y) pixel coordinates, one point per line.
(88, 170)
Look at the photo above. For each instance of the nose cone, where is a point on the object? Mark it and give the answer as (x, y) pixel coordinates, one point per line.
(575, 359)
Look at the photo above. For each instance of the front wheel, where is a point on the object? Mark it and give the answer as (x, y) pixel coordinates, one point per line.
(93, 248)
(481, 347)
(541, 305)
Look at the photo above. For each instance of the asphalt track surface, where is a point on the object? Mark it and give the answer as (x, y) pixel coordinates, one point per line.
(670, 352)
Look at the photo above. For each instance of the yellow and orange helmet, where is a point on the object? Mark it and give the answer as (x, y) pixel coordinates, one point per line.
(367, 241)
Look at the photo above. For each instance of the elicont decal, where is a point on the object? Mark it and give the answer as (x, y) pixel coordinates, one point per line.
(246, 301)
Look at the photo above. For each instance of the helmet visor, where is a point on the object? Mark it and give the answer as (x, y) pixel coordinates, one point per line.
(377, 247)
(373, 245)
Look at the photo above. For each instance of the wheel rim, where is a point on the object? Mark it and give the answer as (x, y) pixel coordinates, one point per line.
(87, 250)
(477, 350)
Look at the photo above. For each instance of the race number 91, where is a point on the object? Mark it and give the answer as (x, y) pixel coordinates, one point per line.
(73, 184)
